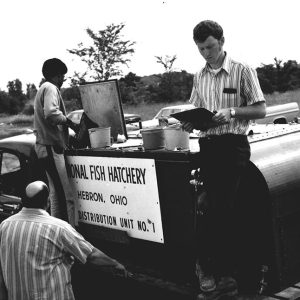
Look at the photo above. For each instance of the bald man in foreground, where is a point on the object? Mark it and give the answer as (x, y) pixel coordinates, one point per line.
(38, 250)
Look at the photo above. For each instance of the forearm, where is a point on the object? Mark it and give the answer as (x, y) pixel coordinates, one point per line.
(98, 258)
(57, 119)
(251, 112)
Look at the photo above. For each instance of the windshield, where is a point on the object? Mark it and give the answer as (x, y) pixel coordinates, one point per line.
(166, 112)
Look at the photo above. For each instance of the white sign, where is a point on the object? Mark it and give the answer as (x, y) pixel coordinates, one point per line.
(119, 193)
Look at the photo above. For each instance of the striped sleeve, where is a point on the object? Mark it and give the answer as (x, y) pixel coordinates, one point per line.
(195, 99)
(75, 244)
(250, 87)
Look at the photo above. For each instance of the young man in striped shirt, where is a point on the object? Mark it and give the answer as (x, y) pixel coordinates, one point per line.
(231, 90)
(37, 252)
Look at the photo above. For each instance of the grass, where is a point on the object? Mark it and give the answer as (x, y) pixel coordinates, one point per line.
(17, 124)
(148, 110)
(14, 125)
(280, 98)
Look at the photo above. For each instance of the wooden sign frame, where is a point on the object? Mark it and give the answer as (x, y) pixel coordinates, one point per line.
(101, 101)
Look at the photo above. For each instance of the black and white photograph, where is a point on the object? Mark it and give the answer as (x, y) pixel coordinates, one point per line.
(149, 149)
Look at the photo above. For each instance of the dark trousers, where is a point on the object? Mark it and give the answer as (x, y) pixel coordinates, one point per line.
(222, 162)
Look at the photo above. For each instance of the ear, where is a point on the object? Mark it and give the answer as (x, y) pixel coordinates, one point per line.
(222, 41)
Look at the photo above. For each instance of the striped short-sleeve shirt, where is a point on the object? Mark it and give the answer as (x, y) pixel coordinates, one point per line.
(234, 85)
(36, 255)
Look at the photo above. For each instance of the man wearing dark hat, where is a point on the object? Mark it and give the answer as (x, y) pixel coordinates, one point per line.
(51, 125)
(38, 250)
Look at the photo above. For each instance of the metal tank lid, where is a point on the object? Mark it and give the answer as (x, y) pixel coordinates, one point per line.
(259, 132)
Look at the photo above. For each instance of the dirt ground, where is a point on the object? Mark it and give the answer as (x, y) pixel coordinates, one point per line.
(94, 285)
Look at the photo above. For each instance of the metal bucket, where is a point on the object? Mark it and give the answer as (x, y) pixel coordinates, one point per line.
(100, 137)
(153, 138)
(176, 138)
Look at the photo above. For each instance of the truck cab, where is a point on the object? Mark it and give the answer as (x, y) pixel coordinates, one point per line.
(280, 114)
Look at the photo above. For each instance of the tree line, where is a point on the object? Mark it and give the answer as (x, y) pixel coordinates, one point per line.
(104, 58)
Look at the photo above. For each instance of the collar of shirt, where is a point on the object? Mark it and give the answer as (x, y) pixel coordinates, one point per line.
(225, 65)
(36, 211)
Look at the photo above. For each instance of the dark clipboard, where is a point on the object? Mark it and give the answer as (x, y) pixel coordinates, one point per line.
(199, 117)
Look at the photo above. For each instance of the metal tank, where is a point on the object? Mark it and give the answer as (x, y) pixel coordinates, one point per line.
(268, 212)
(276, 153)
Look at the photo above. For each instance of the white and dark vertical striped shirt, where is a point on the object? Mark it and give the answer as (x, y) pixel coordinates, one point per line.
(36, 255)
(234, 85)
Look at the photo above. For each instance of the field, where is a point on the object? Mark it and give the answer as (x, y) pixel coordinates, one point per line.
(17, 124)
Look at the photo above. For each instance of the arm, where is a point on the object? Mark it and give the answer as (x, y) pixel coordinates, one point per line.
(256, 110)
(52, 109)
(99, 259)
(73, 243)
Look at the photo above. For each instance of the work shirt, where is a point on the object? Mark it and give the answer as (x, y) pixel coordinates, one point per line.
(234, 85)
(36, 255)
(50, 116)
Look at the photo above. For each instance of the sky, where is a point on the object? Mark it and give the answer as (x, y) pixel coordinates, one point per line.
(31, 31)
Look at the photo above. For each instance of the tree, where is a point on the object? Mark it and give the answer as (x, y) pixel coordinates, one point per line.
(8, 104)
(15, 92)
(167, 62)
(279, 76)
(30, 91)
(167, 89)
(129, 85)
(15, 88)
(72, 98)
(105, 56)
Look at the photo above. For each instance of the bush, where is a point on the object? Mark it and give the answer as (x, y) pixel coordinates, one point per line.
(28, 110)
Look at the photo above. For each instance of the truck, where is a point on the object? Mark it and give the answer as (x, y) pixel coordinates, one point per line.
(140, 206)
(281, 114)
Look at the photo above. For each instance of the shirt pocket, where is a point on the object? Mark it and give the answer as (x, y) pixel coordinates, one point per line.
(230, 97)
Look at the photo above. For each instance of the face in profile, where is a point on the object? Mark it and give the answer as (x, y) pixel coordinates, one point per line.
(60, 80)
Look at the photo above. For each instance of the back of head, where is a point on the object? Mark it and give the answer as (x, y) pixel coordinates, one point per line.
(36, 195)
(205, 29)
(53, 67)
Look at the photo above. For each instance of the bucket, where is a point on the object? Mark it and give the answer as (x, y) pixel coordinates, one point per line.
(100, 137)
(176, 138)
(153, 138)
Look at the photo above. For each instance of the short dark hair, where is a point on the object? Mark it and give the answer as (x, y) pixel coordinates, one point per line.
(205, 29)
(40, 197)
(53, 67)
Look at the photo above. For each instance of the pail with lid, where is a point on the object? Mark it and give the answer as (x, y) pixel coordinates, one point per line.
(100, 137)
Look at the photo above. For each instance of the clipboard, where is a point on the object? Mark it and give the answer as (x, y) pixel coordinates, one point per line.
(199, 116)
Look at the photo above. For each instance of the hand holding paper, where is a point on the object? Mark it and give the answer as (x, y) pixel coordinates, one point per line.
(199, 118)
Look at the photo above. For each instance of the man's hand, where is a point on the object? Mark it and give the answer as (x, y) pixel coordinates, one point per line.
(222, 116)
(187, 126)
(100, 260)
(121, 271)
(72, 125)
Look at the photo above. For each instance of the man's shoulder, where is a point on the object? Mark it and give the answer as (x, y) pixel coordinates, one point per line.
(52, 221)
(46, 86)
(50, 85)
(238, 63)
(30, 215)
